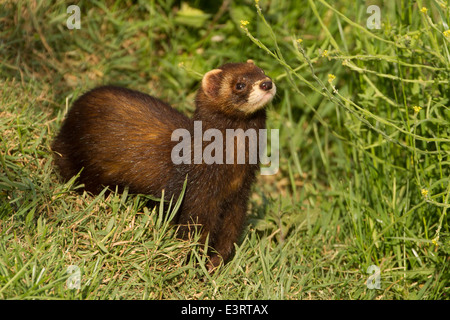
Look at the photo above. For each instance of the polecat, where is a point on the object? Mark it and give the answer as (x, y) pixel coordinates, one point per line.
(120, 137)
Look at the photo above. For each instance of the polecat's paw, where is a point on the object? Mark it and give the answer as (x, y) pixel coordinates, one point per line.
(214, 262)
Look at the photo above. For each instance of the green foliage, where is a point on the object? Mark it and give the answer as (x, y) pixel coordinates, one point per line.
(364, 119)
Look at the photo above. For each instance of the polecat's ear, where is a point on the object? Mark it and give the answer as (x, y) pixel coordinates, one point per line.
(250, 61)
(211, 83)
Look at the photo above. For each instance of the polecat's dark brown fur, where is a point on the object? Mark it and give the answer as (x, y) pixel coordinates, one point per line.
(120, 137)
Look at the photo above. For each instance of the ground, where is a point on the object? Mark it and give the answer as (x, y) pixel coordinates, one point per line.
(357, 210)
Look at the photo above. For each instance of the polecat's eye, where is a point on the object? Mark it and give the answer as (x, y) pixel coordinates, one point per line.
(240, 85)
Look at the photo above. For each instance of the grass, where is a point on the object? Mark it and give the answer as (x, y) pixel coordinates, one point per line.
(364, 172)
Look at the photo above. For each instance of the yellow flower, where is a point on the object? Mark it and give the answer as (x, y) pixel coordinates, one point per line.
(434, 241)
(331, 77)
(256, 2)
(424, 10)
(417, 109)
(299, 40)
(244, 23)
(424, 192)
(446, 33)
(325, 53)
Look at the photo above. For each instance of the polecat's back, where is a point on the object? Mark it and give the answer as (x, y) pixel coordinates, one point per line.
(118, 136)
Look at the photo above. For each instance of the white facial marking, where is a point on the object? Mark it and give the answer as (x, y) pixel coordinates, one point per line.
(258, 97)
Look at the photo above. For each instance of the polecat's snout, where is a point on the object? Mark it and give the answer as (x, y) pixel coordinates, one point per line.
(266, 85)
(262, 93)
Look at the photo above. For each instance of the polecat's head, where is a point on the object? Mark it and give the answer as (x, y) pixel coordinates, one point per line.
(238, 89)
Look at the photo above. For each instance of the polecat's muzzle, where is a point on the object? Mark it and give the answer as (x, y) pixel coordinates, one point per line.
(266, 85)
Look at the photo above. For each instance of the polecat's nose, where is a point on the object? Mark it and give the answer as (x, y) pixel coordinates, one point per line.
(266, 85)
